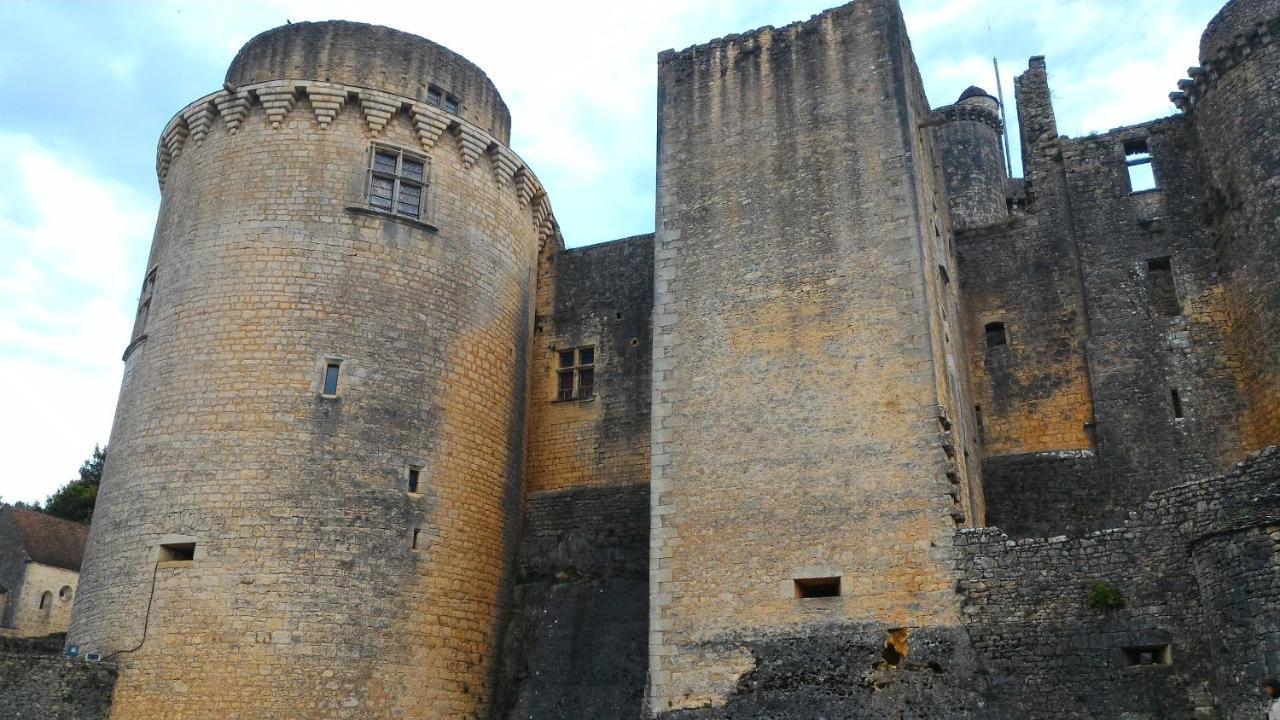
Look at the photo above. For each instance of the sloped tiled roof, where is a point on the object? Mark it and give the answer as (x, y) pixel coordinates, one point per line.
(49, 540)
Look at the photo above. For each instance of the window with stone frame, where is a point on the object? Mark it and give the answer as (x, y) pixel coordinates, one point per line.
(397, 181)
(576, 373)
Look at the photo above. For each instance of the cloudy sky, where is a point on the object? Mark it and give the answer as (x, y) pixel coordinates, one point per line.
(89, 85)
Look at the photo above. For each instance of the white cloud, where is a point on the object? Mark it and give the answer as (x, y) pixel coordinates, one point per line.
(72, 244)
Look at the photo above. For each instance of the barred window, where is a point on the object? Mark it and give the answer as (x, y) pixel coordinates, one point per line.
(397, 182)
(576, 374)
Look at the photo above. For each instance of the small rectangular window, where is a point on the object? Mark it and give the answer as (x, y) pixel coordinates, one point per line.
(415, 476)
(416, 534)
(434, 97)
(818, 587)
(178, 552)
(576, 373)
(1142, 176)
(996, 336)
(1147, 655)
(450, 104)
(942, 273)
(1177, 404)
(397, 182)
(1164, 293)
(330, 379)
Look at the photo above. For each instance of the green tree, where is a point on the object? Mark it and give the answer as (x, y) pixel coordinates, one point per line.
(74, 501)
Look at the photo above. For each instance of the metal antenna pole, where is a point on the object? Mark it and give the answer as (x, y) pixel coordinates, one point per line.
(1004, 120)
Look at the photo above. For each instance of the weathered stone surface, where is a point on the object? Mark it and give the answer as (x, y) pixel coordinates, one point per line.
(36, 681)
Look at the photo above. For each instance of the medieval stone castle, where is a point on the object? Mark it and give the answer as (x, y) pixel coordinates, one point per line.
(866, 428)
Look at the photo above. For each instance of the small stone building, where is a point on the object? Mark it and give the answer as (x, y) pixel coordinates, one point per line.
(39, 567)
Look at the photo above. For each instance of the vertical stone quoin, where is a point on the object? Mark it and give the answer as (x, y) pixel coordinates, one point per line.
(317, 457)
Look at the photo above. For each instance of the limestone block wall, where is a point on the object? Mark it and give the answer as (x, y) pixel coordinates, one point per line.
(1233, 101)
(601, 297)
(319, 584)
(52, 587)
(1031, 391)
(576, 643)
(799, 426)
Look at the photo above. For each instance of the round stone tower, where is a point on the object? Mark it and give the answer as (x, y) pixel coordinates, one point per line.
(1233, 99)
(973, 159)
(317, 454)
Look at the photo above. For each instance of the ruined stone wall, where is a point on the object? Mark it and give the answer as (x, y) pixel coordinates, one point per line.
(1145, 342)
(1031, 385)
(36, 681)
(306, 594)
(1234, 104)
(796, 405)
(1116, 327)
(576, 645)
(1195, 569)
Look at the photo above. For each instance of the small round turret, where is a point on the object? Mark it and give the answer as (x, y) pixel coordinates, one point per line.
(973, 159)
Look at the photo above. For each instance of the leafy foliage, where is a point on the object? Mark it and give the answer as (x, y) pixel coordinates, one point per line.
(74, 501)
(1105, 597)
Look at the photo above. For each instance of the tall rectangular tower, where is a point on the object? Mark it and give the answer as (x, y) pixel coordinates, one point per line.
(812, 451)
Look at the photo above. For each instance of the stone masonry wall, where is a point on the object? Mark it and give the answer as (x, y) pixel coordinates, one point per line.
(575, 645)
(601, 296)
(796, 405)
(1235, 108)
(1051, 653)
(1116, 326)
(306, 594)
(36, 681)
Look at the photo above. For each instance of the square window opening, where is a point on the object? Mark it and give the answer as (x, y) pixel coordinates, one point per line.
(1140, 655)
(1164, 293)
(996, 334)
(397, 181)
(331, 379)
(575, 373)
(178, 552)
(823, 587)
(1142, 176)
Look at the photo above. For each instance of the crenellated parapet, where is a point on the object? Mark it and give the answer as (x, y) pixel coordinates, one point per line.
(1221, 55)
(435, 128)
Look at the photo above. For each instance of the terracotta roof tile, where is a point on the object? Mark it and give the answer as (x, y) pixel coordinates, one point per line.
(49, 540)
